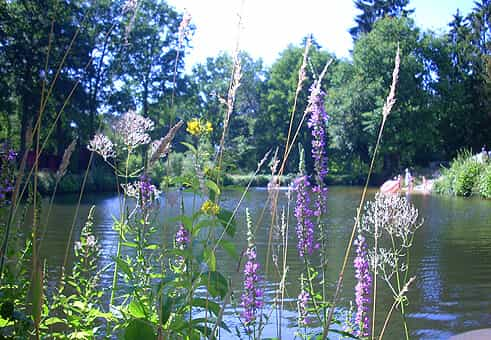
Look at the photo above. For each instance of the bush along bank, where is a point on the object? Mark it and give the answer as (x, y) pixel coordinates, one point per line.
(97, 181)
(467, 175)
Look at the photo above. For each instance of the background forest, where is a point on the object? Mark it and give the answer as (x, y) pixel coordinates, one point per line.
(114, 60)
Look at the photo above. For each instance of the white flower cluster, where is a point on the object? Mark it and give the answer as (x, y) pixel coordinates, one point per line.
(133, 129)
(102, 145)
(90, 242)
(392, 214)
(136, 189)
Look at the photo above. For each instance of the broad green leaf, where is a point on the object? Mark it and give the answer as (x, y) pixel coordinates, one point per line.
(210, 259)
(207, 304)
(215, 282)
(228, 221)
(139, 329)
(53, 320)
(230, 248)
(136, 309)
(190, 147)
(167, 306)
(123, 266)
(213, 186)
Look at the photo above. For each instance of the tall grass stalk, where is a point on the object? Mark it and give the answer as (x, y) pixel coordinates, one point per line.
(385, 114)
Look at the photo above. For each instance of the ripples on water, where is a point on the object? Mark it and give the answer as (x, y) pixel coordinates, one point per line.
(450, 257)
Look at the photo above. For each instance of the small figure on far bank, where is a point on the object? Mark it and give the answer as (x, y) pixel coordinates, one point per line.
(408, 181)
(484, 155)
(425, 186)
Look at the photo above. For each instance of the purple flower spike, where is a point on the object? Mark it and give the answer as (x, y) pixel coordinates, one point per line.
(302, 301)
(304, 215)
(363, 287)
(252, 295)
(317, 123)
(182, 237)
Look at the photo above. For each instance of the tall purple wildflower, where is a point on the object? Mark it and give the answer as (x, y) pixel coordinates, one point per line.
(363, 287)
(304, 214)
(146, 190)
(182, 237)
(317, 123)
(302, 302)
(252, 295)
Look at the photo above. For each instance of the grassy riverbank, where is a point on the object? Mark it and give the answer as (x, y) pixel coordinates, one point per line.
(466, 176)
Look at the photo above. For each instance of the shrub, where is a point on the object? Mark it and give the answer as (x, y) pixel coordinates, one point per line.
(465, 176)
(484, 182)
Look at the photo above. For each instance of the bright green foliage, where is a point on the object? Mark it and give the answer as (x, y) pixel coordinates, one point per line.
(461, 95)
(484, 182)
(80, 312)
(360, 89)
(210, 81)
(277, 102)
(466, 176)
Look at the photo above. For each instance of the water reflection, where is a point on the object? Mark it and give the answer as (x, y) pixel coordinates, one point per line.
(449, 258)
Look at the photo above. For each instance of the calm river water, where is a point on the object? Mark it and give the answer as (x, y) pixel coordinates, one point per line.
(450, 257)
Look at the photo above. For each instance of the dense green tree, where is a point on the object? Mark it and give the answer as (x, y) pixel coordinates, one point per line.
(461, 61)
(210, 82)
(145, 69)
(360, 91)
(373, 10)
(25, 34)
(278, 101)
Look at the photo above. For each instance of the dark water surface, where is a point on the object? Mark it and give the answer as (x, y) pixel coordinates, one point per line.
(451, 257)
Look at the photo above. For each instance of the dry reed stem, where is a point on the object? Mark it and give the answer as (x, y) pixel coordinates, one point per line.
(165, 143)
(362, 201)
(65, 160)
(397, 300)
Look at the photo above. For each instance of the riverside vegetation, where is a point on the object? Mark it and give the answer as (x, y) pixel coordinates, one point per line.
(466, 176)
(173, 289)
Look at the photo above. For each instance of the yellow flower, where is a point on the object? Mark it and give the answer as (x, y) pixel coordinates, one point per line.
(207, 127)
(210, 208)
(193, 127)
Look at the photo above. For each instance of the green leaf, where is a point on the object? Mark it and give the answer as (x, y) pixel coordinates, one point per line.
(230, 248)
(207, 304)
(123, 266)
(129, 244)
(167, 306)
(190, 147)
(136, 309)
(210, 259)
(53, 320)
(152, 247)
(228, 221)
(139, 329)
(215, 282)
(213, 186)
